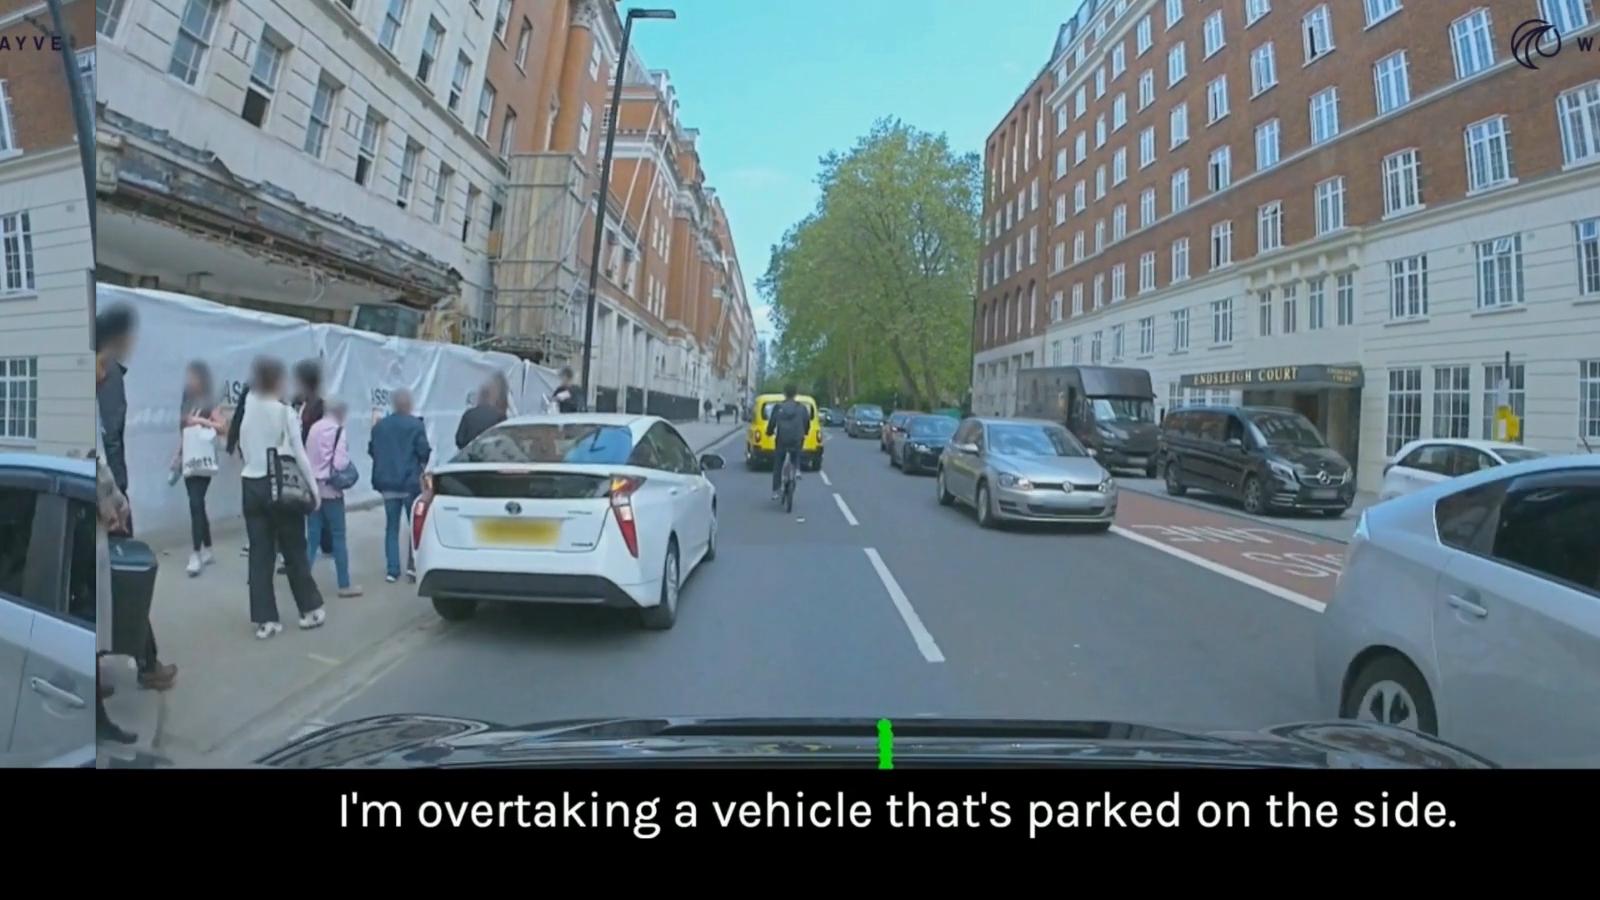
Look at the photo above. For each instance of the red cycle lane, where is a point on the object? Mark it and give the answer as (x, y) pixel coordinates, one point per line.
(1295, 566)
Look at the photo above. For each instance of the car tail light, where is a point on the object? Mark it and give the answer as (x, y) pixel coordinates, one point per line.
(419, 515)
(621, 494)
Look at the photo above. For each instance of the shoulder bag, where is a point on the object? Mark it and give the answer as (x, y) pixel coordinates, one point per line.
(285, 478)
(345, 477)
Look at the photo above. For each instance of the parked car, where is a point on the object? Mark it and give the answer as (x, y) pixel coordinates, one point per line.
(1420, 464)
(1470, 610)
(1025, 470)
(894, 425)
(863, 420)
(917, 449)
(1267, 458)
(831, 418)
(48, 581)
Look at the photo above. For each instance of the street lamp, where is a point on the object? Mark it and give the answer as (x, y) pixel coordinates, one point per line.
(600, 197)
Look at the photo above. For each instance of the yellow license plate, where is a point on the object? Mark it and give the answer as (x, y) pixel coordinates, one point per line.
(520, 532)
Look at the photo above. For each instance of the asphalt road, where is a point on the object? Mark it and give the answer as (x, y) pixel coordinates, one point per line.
(886, 605)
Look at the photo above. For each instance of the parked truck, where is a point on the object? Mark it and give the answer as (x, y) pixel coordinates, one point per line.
(1110, 410)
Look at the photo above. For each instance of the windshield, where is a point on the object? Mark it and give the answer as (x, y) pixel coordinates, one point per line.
(1124, 411)
(577, 443)
(1519, 454)
(1286, 430)
(867, 412)
(932, 428)
(1033, 440)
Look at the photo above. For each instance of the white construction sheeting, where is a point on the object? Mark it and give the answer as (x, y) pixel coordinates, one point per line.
(360, 368)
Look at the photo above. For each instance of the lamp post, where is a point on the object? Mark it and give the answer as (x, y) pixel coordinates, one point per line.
(600, 198)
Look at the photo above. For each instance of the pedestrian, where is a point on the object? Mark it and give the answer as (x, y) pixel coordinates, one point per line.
(494, 401)
(200, 422)
(232, 448)
(400, 453)
(566, 394)
(112, 508)
(115, 333)
(720, 409)
(309, 403)
(277, 493)
(328, 449)
(707, 407)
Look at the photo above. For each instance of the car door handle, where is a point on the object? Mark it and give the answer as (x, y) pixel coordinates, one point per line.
(1469, 605)
(59, 695)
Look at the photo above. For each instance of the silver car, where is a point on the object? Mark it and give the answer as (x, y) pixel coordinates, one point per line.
(1025, 470)
(1470, 610)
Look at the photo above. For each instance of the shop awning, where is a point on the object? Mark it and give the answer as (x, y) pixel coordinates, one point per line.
(1285, 377)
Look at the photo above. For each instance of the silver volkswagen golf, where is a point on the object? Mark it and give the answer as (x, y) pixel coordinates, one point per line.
(1025, 470)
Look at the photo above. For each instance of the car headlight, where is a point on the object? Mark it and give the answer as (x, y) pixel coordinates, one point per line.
(1108, 485)
(1008, 480)
(1283, 471)
(919, 448)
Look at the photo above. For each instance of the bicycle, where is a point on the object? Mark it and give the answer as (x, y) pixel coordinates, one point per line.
(790, 477)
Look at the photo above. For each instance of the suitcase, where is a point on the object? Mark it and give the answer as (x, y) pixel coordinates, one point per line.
(133, 589)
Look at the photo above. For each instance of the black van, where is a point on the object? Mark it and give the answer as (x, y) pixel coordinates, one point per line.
(1267, 458)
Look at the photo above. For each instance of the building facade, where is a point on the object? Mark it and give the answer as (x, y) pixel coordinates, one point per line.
(1422, 208)
(46, 353)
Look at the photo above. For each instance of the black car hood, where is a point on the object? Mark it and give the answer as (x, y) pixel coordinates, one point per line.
(1312, 459)
(421, 741)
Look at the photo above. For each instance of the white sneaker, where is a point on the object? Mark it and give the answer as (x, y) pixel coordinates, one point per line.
(206, 558)
(193, 568)
(315, 618)
(391, 578)
(268, 629)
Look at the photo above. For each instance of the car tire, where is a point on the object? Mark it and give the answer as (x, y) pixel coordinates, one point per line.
(981, 507)
(945, 497)
(664, 614)
(1389, 679)
(1174, 478)
(1254, 496)
(893, 462)
(711, 545)
(905, 468)
(455, 609)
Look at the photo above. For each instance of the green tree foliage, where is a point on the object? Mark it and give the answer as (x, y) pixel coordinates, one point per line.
(872, 292)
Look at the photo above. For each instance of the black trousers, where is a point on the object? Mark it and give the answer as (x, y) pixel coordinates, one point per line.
(199, 522)
(273, 532)
(784, 450)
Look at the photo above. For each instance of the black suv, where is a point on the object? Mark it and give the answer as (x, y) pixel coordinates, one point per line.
(1267, 458)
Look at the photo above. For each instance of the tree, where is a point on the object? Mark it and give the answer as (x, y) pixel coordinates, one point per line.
(872, 292)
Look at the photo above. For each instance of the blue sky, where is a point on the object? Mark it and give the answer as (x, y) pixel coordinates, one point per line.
(773, 85)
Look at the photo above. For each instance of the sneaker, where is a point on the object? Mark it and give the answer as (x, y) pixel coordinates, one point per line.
(776, 495)
(391, 578)
(314, 619)
(206, 558)
(411, 574)
(268, 629)
(194, 566)
(351, 591)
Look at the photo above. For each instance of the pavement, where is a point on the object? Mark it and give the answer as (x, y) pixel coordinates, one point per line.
(232, 688)
(872, 600)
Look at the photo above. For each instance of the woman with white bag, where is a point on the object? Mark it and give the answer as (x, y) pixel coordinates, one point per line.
(200, 424)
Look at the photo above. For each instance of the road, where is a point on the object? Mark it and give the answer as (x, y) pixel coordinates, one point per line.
(872, 600)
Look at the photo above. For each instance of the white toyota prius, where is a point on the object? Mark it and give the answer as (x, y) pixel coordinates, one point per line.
(600, 509)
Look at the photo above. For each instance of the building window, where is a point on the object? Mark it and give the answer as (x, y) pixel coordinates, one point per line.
(586, 127)
(1143, 38)
(1080, 197)
(1222, 321)
(458, 84)
(1147, 147)
(1061, 119)
(1263, 69)
(1078, 245)
(16, 236)
(480, 126)
(1589, 400)
(1500, 272)
(432, 44)
(189, 48)
(1378, 10)
(108, 16)
(1099, 82)
(1214, 39)
(1147, 336)
(1346, 298)
(19, 389)
(1119, 222)
(1080, 102)
(1180, 330)
(1264, 313)
(1178, 124)
(1077, 299)
(1174, 12)
(1330, 205)
(1147, 88)
(1099, 132)
(1316, 304)
(1077, 350)
(1099, 235)
(596, 59)
(1488, 154)
(1219, 174)
(1061, 209)
(394, 18)
(1119, 112)
(524, 41)
(1221, 245)
(1402, 182)
(441, 194)
(1317, 31)
(367, 149)
(1217, 99)
(1147, 271)
(1147, 207)
(1094, 348)
(1119, 283)
(320, 124)
(1587, 235)
(1099, 182)
(409, 160)
(1177, 64)
(1291, 309)
(1180, 190)
(1180, 260)
(1391, 83)
(1516, 393)
(1579, 111)
(1119, 166)
(1472, 43)
(1452, 402)
(1324, 115)
(1119, 342)
(508, 133)
(1408, 287)
(1061, 163)
(1269, 227)
(1080, 147)
(1055, 310)
(474, 197)
(86, 59)
(502, 19)
(1404, 420)
(1267, 144)
(263, 85)
(1566, 15)
(1255, 9)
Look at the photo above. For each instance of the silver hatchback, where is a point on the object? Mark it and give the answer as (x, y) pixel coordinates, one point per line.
(1025, 470)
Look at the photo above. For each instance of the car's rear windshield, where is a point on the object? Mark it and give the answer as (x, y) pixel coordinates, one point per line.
(868, 412)
(766, 408)
(577, 443)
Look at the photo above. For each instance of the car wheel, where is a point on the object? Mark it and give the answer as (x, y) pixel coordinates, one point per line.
(981, 507)
(711, 542)
(1174, 478)
(893, 462)
(1389, 690)
(664, 614)
(1255, 502)
(945, 497)
(455, 609)
(905, 467)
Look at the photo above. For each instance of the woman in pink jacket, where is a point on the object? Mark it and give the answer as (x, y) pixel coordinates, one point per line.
(328, 450)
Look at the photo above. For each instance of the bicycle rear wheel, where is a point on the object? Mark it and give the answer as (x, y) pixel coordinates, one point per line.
(788, 493)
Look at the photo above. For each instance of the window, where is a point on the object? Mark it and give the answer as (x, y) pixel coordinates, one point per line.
(1080, 102)
(1061, 119)
(1180, 190)
(1099, 291)
(1217, 99)
(1408, 287)
(1147, 89)
(1330, 205)
(1391, 83)
(195, 30)
(107, 16)
(586, 128)
(1269, 227)
(1119, 341)
(1220, 170)
(1213, 34)
(1099, 132)
(1566, 15)
(1119, 60)
(1147, 271)
(1119, 222)
(1587, 236)
(502, 19)
(19, 415)
(458, 83)
(596, 59)
(1119, 112)
(1178, 124)
(1033, 245)
(1324, 115)
(1180, 260)
(1452, 401)
(367, 150)
(1061, 162)
(1316, 304)
(480, 126)
(1222, 321)
(394, 18)
(1488, 154)
(1147, 147)
(1077, 350)
(1061, 209)
(1080, 197)
(1099, 235)
(1119, 284)
(1516, 393)
(474, 197)
(1579, 112)
(432, 44)
(1080, 147)
(1174, 12)
(1378, 10)
(1291, 309)
(1589, 400)
(1077, 299)
(1255, 9)
(1119, 166)
(263, 84)
(1180, 330)
(508, 133)
(16, 237)
(1055, 316)
(1500, 272)
(1099, 182)
(320, 123)
(1547, 532)
(1346, 287)
(1177, 64)
(524, 41)
(1402, 182)
(1147, 336)
(1221, 245)
(1317, 33)
(1078, 247)
(1143, 39)
(1264, 310)
(1094, 348)
(1472, 43)
(86, 60)
(1099, 82)
(1147, 207)
(1263, 69)
(441, 194)
(1267, 144)
(1404, 420)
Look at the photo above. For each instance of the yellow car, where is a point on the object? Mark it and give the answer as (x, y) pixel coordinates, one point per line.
(759, 446)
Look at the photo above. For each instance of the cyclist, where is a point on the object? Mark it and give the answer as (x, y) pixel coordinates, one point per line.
(787, 425)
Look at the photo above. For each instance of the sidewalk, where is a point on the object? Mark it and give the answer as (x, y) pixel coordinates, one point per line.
(229, 682)
(1339, 529)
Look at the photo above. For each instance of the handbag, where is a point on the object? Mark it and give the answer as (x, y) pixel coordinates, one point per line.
(345, 477)
(199, 452)
(285, 479)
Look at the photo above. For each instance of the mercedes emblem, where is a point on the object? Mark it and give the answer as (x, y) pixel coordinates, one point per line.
(514, 507)
(1323, 476)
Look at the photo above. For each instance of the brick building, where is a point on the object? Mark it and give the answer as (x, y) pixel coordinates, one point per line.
(46, 361)
(1266, 184)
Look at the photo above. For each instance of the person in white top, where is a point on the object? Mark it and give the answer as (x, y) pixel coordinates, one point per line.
(270, 427)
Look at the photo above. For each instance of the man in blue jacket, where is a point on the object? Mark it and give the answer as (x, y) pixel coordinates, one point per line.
(400, 453)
